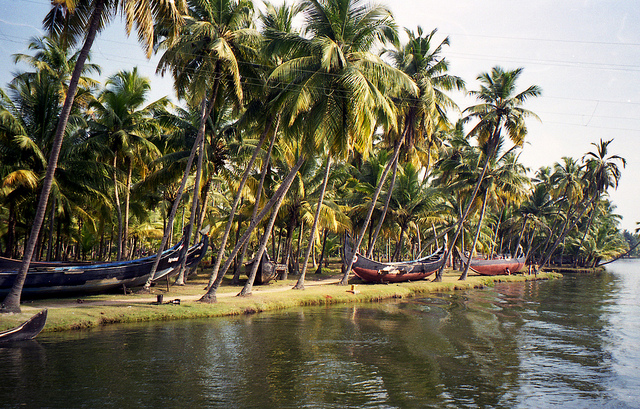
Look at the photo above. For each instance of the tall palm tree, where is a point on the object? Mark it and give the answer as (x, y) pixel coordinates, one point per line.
(423, 116)
(206, 61)
(341, 88)
(500, 111)
(602, 172)
(123, 124)
(72, 20)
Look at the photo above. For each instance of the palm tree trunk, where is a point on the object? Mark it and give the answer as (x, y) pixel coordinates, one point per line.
(234, 207)
(466, 210)
(383, 177)
(324, 243)
(118, 208)
(564, 234)
(11, 302)
(52, 218)
(246, 290)
(127, 198)
(192, 218)
(263, 176)
(277, 197)
(300, 283)
(176, 202)
(386, 208)
(475, 239)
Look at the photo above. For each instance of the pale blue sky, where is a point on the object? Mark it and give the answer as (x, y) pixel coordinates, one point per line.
(585, 55)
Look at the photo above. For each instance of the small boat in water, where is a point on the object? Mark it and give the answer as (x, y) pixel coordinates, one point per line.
(378, 272)
(63, 277)
(27, 330)
(501, 265)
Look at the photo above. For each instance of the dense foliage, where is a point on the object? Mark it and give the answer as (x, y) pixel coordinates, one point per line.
(319, 92)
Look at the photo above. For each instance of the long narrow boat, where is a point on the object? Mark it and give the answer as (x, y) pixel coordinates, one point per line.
(495, 266)
(378, 272)
(61, 277)
(27, 330)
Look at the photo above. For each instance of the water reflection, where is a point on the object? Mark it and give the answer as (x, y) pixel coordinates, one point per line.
(568, 343)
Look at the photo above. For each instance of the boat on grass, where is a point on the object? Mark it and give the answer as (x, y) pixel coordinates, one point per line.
(501, 265)
(378, 272)
(63, 277)
(27, 330)
(267, 270)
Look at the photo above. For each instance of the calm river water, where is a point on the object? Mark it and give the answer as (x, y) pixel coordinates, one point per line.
(570, 343)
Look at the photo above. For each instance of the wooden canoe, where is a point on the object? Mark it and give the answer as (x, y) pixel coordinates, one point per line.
(378, 272)
(27, 330)
(495, 266)
(61, 278)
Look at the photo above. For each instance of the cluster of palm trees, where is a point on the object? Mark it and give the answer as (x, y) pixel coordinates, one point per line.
(298, 134)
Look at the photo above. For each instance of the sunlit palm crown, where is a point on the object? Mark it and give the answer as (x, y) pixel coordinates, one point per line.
(501, 107)
(215, 40)
(335, 81)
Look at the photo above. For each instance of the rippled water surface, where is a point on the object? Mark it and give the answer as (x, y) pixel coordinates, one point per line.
(571, 343)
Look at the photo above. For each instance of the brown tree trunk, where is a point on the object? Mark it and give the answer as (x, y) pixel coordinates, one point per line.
(11, 302)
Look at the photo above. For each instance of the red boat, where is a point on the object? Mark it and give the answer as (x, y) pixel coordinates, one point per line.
(495, 266)
(377, 272)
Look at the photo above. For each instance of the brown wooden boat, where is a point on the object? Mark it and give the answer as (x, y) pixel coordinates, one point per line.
(267, 270)
(27, 330)
(378, 272)
(501, 265)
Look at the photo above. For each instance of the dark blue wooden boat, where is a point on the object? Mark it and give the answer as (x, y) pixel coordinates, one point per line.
(62, 277)
(27, 330)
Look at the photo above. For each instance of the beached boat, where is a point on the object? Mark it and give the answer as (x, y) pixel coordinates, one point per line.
(27, 330)
(63, 277)
(267, 270)
(378, 272)
(500, 265)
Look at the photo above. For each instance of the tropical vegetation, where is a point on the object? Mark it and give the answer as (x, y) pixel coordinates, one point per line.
(299, 134)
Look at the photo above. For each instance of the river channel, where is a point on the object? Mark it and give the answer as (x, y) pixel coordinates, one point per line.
(570, 343)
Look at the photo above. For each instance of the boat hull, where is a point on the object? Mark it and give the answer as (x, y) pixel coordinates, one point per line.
(27, 330)
(377, 272)
(59, 278)
(495, 267)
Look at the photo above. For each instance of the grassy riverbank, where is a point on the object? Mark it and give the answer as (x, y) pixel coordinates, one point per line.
(96, 310)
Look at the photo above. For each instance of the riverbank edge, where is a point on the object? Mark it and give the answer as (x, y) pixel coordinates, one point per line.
(97, 311)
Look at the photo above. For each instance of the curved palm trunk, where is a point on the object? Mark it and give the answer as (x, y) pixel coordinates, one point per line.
(246, 290)
(116, 197)
(127, 199)
(300, 283)
(11, 302)
(263, 176)
(561, 238)
(386, 208)
(324, 244)
(475, 239)
(383, 177)
(466, 211)
(278, 197)
(234, 207)
(183, 183)
(192, 219)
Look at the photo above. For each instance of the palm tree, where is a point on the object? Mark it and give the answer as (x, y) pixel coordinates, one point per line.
(341, 89)
(500, 111)
(72, 20)
(424, 116)
(206, 61)
(123, 125)
(602, 172)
